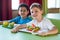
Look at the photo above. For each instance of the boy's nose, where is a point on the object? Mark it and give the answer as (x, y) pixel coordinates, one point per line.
(22, 12)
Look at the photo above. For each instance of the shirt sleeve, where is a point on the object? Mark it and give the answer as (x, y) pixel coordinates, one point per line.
(29, 23)
(14, 19)
(49, 25)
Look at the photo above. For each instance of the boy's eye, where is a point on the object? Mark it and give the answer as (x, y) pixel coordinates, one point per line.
(22, 10)
(31, 12)
(36, 11)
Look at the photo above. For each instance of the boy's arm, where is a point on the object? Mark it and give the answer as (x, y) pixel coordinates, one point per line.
(50, 32)
(16, 29)
(53, 31)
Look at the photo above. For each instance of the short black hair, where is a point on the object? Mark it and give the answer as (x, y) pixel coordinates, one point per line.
(23, 5)
(36, 5)
(26, 6)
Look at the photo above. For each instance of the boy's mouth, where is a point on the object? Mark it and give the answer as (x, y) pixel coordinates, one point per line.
(22, 14)
(35, 16)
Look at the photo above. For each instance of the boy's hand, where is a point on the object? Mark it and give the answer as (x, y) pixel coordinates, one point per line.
(14, 30)
(43, 34)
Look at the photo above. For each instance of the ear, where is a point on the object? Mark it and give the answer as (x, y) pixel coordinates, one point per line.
(28, 11)
(41, 11)
(18, 13)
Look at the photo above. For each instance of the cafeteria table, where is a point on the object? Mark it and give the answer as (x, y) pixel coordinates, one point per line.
(5, 34)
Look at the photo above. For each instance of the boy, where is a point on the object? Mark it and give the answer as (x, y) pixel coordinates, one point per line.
(46, 27)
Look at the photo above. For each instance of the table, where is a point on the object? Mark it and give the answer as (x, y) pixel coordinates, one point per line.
(5, 34)
(53, 16)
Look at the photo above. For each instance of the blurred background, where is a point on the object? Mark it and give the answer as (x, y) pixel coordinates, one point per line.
(9, 8)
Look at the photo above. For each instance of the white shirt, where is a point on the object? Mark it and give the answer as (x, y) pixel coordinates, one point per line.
(45, 25)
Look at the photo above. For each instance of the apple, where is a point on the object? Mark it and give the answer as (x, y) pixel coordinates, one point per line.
(11, 25)
(5, 24)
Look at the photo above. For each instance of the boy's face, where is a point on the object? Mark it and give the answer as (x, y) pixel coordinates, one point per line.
(23, 12)
(36, 12)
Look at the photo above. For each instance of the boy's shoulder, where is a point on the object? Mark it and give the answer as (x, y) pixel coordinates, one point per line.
(18, 17)
(29, 18)
(45, 19)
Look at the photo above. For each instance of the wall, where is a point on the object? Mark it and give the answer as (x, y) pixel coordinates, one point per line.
(14, 13)
(53, 10)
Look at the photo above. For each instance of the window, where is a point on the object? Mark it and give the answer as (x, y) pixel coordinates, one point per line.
(53, 4)
(15, 4)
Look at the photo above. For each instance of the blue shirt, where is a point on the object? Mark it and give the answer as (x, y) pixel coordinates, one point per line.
(19, 20)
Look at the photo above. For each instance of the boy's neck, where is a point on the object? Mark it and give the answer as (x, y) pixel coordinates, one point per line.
(23, 17)
(39, 19)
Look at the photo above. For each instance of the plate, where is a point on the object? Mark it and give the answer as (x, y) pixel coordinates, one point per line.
(25, 30)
